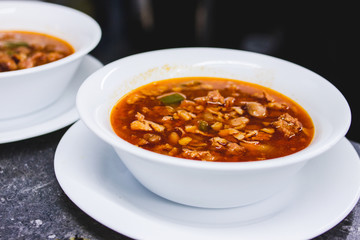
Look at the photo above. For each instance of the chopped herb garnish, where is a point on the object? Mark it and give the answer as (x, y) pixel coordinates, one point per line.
(16, 44)
(203, 126)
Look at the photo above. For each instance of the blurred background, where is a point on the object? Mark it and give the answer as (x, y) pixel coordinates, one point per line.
(303, 33)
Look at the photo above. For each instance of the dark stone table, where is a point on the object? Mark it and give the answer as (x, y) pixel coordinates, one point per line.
(33, 206)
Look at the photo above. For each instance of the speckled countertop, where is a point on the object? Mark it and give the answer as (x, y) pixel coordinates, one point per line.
(33, 206)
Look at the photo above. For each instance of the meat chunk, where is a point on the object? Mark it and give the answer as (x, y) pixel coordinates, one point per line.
(227, 132)
(188, 105)
(277, 106)
(142, 126)
(138, 141)
(140, 123)
(235, 149)
(256, 109)
(163, 148)
(264, 96)
(229, 102)
(239, 122)
(156, 127)
(140, 117)
(288, 125)
(200, 100)
(231, 148)
(152, 138)
(200, 155)
(214, 97)
(185, 115)
(238, 110)
(145, 125)
(6, 63)
(36, 59)
(218, 143)
(259, 136)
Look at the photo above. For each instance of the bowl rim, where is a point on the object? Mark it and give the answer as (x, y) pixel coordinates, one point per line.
(70, 58)
(118, 143)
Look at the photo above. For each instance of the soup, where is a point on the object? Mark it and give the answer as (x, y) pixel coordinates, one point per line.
(212, 119)
(21, 50)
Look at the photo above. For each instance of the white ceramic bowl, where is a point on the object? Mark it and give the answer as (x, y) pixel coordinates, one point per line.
(213, 184)
(25, 91)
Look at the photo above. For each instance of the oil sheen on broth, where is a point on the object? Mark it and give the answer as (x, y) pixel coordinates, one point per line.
(212, 119)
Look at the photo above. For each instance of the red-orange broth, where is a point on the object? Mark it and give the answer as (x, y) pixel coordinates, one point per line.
(212, 119)
(22, 50)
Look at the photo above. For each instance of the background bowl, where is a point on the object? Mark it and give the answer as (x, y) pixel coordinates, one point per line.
(213, 184)
(25, 91)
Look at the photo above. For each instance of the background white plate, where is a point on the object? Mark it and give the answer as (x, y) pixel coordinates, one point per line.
(94, 178)
(59, 114)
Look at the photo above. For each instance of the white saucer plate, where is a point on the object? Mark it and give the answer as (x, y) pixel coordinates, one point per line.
(93, 177)
(59, 114)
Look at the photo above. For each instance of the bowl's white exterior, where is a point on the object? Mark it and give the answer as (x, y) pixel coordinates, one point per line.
(208, 187)
(28, 90)
(209, 184)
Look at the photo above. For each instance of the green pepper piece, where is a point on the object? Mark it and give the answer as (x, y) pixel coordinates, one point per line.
(16, 44)
(171, 98)
(203, 126)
